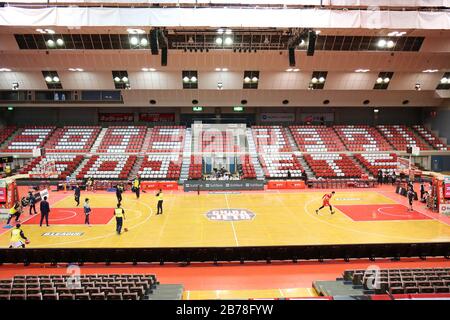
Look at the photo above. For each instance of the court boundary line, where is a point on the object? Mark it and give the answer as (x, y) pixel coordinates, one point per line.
(232, 222)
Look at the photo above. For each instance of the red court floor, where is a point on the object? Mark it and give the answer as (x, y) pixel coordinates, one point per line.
(380, 212)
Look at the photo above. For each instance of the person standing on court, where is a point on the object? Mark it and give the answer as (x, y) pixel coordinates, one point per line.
(410, 194)
(160, 198)
(119, 191)
(15, 211)
(32, 202)
(44, 207)
(18, 238)
(77, 194)
(137, 186)
(119, 213)
(87, 211)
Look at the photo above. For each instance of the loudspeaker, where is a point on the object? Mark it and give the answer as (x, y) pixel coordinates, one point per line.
(154, 41)
(164, 56)
(292, 57)
(311, 43)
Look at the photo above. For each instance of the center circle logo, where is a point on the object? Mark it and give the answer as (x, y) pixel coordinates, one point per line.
(230, 215)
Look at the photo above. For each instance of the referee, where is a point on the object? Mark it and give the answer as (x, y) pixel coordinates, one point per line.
(160, 198)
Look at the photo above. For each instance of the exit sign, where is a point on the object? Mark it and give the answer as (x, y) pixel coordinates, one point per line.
(197, 109)
(238, 109)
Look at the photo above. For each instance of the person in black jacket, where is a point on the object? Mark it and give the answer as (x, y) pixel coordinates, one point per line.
(119, 191)
(44, 207)
(77, 194)
(32, 202)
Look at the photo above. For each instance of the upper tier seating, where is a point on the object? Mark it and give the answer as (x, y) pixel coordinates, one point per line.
(248, 169)
(333, 165)
(75, 139)
(376, 161)
(316, 139)
(430, 137)
(401, 137)
(195, 167)
(401, 281)
(64, 164)
(218, 141)
(29, 138)
(88, 287)
(6, 132)
(362, 138)
(108, 167)
(120, 139)
(278, 165)
(270, 139)
(160, 167)
(167, 139)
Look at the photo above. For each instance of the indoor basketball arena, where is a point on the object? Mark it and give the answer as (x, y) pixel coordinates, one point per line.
(224, 150)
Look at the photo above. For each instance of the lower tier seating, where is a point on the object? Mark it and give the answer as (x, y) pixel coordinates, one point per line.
(333, 165)
(160, 167)
(278, 165)
(248, 169)
(108, 167)
(63, 164)
(84, 287)
(378, 161)
(195, 167)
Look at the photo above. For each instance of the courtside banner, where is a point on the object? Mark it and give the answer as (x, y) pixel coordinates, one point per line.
(2, 191)
(277, 117)
(116, 117)
(157, 117)
(193, 185)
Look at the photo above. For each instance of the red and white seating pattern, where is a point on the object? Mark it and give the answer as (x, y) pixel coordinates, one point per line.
(63, 164)
(270, 139)
(431, 138)
(29, 138)
(401, 137)
(108, 167)
(316, 139)
(195, 167)
(160, 167)
(123, 139)
(72, 139)
(218, 141)
(362, 138)
(248, 169)
(6, 132)
(333, 165)
(278, 165)
(378, 161)
(167, 139)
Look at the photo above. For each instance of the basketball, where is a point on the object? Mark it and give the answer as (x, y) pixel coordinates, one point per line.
(125, 229)
(27, 241)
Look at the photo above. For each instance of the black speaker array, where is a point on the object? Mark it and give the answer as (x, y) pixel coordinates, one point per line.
(154, 41)
(164, 56)
(292, 57)
(311, 43)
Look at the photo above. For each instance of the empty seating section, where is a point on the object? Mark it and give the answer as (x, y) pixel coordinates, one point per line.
(6, 132)
(195, 167)
(401, 137)
(248, 169)
(333, 165)
(378, 161)
(160, 167)
(84, 287)
(362, 138)
(316, 139)
(402, 281)
(430, 137)
(75, 139)
(29, 138)
(123, 139)
(63, 164)
(108, 167)
(218, 141)
(270, 139)
(278, 165)
(167, 139)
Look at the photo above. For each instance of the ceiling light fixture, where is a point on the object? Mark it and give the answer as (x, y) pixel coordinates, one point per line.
(228, 41)
(430, 70)
(135, 31)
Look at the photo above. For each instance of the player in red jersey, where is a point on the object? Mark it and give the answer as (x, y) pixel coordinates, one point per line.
(326, 202)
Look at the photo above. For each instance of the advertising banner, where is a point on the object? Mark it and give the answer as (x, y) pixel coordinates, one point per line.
(157, 117)
(116, 117)
(277, 117)
(192, 185)
(2, 191)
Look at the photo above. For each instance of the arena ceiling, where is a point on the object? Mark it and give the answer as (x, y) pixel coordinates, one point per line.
(350, 58)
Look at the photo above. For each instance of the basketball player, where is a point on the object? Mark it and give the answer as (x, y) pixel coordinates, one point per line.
(77, 194)
(18, 239)
(15, 211)
(119, 213)
(326, 202)
(160, 198)
(410, 194)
